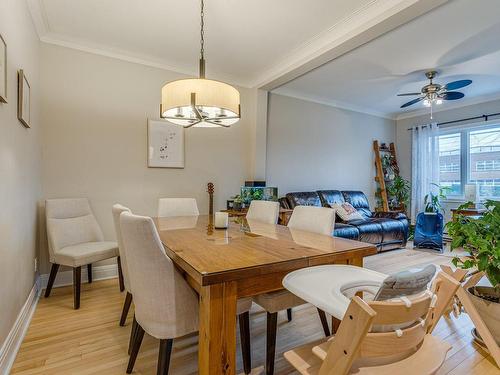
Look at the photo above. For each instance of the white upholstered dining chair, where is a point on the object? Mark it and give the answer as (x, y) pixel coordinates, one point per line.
(116, 210)
(75, 240)
(166, 307)
(318, 220)
(168, 207)
(265, 211)
(313, 219)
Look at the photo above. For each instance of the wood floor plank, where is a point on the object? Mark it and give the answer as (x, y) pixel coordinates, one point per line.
(61, 340)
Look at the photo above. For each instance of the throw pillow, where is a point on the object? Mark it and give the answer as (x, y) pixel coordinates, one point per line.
(347, 212)
(404, 283)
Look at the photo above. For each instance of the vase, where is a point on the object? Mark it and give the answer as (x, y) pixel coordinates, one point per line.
(487, 308)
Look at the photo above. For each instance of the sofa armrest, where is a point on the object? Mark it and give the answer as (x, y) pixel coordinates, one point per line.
(390, 215)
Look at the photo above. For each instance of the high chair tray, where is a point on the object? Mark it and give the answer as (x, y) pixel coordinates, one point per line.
(330, 287)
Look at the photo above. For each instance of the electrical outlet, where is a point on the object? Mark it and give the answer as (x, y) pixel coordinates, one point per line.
(36, 264)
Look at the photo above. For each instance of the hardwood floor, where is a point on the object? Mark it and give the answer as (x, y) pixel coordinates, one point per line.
(61, 340)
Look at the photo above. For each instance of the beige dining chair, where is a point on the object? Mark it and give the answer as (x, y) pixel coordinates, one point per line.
(75, 240)
(168, 207)
(318, 220)
(116, 210)
(264, 211)
(166, 307)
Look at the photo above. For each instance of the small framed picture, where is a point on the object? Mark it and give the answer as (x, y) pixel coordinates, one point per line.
(23, 99)
(165, 144)
(3, 70)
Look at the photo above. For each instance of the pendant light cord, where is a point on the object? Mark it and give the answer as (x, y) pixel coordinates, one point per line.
(202, 40)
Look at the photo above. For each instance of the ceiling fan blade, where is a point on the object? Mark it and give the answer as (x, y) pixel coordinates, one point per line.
(411, 102)
(457, 84)
(451, 95)
(409, 94)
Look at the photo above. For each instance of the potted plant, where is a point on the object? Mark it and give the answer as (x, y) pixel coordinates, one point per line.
(433, 201)
(387, 161)
(237, 202)
(480, 237)
(400, 191)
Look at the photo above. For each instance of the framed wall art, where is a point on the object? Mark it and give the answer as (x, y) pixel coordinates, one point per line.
(3, 70)
(165, 145)
(23, 99)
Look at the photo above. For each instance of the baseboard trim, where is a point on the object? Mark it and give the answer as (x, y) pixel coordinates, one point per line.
(65, 278)
(10, 347)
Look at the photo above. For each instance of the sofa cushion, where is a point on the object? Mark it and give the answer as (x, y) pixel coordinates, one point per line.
(369, 231)
(330, 197)
(392, 230)
(346, 231)
(359, 201)
(303, 198)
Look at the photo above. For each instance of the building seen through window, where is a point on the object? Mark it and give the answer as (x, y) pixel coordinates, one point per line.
(471, 156)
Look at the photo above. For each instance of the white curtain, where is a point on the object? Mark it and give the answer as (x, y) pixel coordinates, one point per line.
(424, 165)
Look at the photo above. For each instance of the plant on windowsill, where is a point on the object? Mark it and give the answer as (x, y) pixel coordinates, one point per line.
(480, 237)
(433, 201)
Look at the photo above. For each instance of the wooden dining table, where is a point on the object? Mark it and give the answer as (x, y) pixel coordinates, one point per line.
(246, 259)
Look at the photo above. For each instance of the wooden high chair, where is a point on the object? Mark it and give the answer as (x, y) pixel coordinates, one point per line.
(383, 337)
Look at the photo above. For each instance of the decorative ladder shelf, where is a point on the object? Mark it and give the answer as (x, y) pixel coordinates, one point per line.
(380, 177)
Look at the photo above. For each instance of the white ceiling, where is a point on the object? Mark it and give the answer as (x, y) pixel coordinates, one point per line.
(460, 39)
(244, 38)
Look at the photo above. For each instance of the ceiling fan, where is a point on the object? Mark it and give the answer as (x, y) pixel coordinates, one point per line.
(434, 93)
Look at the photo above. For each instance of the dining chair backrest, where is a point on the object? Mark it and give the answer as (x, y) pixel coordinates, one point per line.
(165, 305)
(313, 219)
(354, 339)
(70, 221)
(177, 207)
(265, 211)
(116, 210)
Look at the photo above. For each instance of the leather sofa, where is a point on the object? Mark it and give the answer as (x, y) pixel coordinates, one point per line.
(386, 230)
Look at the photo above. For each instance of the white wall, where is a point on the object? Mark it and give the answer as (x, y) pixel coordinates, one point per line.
(20, 155)
(403, 135)
(94, 112)
(313, 146)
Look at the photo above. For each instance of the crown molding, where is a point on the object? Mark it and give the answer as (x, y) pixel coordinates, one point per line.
(42, 27)
(450, 106)
(335, 104)
(367, 23)
(323, 47)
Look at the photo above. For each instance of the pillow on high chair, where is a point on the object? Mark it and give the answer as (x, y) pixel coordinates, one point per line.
(403, 284)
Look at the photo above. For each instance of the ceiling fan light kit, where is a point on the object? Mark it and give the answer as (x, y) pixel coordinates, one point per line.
(434, 93)
(200, 102)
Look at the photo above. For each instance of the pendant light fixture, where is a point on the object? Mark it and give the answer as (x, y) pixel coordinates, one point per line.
(200, 102)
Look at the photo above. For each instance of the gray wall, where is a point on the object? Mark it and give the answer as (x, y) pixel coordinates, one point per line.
(94, 112)
(314, 146)
(20, 155)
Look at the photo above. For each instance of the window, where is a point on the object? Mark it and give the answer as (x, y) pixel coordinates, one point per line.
(449, 162)
(487, 165)
(471, 156)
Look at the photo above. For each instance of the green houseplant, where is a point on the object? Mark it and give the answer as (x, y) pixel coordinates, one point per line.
(480, 237)
(399, 190)
(237, 202)
(433, 201)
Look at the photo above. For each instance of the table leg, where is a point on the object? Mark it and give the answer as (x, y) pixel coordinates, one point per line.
(217, 339)
(356, 262)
